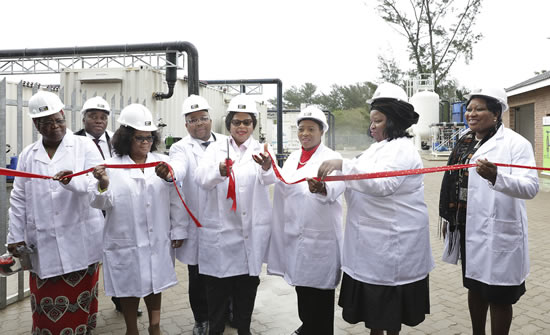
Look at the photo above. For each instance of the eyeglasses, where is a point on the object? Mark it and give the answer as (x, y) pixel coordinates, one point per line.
(50, 123)
(202, 119)
(143, 139)
(246, 122)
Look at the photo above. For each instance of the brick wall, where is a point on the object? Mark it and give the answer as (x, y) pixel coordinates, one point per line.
(541, 99)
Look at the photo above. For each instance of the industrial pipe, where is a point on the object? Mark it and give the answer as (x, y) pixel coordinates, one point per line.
(192, 59)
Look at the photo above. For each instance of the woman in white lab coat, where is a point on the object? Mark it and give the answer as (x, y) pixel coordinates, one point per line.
(144, 220)
(305, 244)
(387, 255)
(56, 221)
(233, 243)
(489, 229)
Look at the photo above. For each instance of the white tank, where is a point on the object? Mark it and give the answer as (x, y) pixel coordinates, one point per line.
(426, 104)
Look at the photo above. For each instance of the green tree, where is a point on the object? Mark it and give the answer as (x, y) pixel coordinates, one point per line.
(390, 71)
(294, 97)
(434, 40)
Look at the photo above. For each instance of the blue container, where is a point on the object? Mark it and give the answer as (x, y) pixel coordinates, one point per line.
(457, 112)
(13, 166)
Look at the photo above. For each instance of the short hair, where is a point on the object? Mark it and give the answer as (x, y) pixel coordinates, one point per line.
(122, 140)
(319, 123)
(230, 116)
(493, 105)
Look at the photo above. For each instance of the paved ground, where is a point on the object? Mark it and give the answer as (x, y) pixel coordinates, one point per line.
(276, 313)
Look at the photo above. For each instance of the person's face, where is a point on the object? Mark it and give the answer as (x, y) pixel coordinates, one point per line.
(479, 118)
(52, 127)
(378, 125)
(95, 122)
(241, 127)
(141, 144)
(309, 134)
(199, 125)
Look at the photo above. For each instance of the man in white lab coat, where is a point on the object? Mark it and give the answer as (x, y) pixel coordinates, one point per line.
(184, 158)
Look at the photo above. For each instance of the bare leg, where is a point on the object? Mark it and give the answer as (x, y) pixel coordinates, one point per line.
(501, 318)
(153, 302)
(478, 312)
(129, 310)
(376, 332)
(392, 332)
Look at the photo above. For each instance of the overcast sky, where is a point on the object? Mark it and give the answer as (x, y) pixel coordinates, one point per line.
(319, 41)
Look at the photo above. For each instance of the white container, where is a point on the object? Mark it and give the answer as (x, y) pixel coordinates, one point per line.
(426, 104)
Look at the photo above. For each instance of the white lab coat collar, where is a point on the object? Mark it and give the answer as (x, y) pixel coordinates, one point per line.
(42, 155)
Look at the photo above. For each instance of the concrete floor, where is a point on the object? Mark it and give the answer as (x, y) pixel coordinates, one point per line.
(276, 312)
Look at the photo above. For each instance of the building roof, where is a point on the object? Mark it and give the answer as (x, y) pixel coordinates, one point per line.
(530, 84)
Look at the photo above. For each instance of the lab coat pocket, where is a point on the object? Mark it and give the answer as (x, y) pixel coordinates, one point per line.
(121, 267)
(317, 258)
(373, 250)
(507, 235)
(209, 249)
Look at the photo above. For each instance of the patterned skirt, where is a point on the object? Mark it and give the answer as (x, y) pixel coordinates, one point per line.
(65, 304)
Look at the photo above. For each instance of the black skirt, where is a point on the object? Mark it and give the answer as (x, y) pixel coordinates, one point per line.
(384, 307)
(495, 294)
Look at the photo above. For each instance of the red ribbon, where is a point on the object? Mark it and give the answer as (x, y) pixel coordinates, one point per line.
(231, 194)
(398, 172)
(15, 173)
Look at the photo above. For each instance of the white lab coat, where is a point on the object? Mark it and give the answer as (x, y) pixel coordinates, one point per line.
(305, 243)
(184, 158)
(144, 213)
(234, 243)
(57, 219)
(387, 238)
(496, 219)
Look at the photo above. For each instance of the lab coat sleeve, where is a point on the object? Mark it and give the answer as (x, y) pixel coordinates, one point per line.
(179, 219)
(178, 161)
(334, 190)
(388, 160)
(17, 211)
(268, 177)
(207, 175)
(519, 183)
(92, 158)
(100, 200)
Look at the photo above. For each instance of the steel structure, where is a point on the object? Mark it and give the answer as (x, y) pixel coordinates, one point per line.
(54, 60)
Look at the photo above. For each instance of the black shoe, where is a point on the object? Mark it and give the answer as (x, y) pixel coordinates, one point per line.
(200, 328)
(297, 331)
(139, 312)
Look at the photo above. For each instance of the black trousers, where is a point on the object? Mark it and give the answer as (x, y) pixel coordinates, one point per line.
(197, 294)
(243, 290)
(316, 310)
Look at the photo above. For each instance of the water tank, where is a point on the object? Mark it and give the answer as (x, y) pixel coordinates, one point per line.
(426, 104)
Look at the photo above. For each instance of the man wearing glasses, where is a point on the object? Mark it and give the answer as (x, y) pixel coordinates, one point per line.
(184, 158)
(55, 220)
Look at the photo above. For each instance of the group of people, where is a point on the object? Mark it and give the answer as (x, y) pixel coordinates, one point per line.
(132, 220)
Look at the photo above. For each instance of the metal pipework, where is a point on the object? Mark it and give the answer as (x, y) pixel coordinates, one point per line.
(171, 76)
(169, 47)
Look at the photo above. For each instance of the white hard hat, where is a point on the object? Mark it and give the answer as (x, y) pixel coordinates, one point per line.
(312, 112)
(194, 103)
(96, 103)
(389, 91)
(43, 104)
(242, 103)
(492, 92)
(138, 117)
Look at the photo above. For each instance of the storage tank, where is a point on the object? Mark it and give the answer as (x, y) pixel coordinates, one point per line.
(426, 104)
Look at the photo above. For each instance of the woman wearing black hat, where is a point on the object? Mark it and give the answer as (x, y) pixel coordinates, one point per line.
(387, 255)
